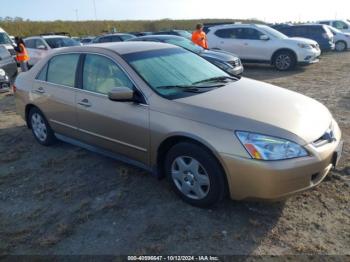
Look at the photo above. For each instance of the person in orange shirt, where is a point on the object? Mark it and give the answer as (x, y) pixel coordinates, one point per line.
(199, 37)
(22, 56)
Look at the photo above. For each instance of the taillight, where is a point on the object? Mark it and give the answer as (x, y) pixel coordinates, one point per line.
(14, 88)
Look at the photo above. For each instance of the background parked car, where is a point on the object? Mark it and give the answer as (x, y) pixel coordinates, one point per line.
(38, 46)
(119, 37)
(87, 40)
(182, 33)
(342, 40)
(6, 41)
(7, 63)
(260, 43)
(320, 33)
(140, 33)
(226, 61)
(342, 25)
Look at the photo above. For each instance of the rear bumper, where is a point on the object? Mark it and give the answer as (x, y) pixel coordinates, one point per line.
(248, 178)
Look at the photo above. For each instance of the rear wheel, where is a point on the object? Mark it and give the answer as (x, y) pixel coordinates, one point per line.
(40, 127)
(195, 175)
(340, 46)
(284, 60)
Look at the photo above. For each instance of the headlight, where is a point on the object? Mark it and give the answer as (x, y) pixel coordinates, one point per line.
(223, 65)
(2, 72)
(269, 148)
(307, 46)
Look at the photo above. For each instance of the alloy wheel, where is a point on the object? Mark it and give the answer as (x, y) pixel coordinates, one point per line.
(340, 46)
(283, 61)
(39, 127)
(190, 177)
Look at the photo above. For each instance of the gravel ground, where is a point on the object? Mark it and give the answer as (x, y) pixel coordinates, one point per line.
(66, 200)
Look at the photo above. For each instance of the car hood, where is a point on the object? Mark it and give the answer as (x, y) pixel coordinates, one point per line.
(218, 55)
(301, 40)
(265, 105)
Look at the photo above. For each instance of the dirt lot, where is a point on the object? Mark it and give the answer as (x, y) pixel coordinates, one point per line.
(66, 200)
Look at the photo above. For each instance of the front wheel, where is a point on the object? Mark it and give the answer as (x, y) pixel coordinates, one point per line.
(284, 61)
(195, 174)
(340, 46)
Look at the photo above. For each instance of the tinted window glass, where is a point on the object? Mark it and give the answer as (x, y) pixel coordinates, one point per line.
(38, 43)
(30, 43)
(101, 75)
(114, 38)
(61, 42)
(62, 69)
(227, 33)
(340, 25)
(42, 74)
(4, 39)
(249, 33)
(126, 37)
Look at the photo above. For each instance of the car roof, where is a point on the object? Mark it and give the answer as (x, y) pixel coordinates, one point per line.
(115, 34)
(121, 48)
(46, 37)
(160, 37)
(234, 25)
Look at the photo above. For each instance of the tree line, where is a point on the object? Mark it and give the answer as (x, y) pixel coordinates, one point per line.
(20, 27)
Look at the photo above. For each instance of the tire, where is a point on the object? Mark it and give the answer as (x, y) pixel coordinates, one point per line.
(340, 46)
(284, 60)
(195, 175)
(40, 127)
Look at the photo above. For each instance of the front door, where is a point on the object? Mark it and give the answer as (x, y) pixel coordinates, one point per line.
(121, 127)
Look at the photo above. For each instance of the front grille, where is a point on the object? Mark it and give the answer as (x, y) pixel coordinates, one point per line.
(235, 63)
(327, 137)
(12, 51)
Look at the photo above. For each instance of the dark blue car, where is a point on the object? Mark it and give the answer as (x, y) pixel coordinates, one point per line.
(320, 33)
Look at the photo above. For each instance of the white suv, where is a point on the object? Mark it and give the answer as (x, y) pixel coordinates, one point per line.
(38, 46)
(342, 25)
(261, 43)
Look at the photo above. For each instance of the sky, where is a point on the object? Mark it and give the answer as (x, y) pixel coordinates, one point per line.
(266, 10)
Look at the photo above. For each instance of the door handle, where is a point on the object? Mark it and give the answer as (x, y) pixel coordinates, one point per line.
(85, 102)
(40, 90)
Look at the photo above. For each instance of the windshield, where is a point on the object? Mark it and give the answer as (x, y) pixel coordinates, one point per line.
(5, 39)
(61, 42)
(185, 43)
(172, 68)
(273, 32)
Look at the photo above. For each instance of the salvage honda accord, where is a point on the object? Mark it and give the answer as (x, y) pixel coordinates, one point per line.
(168, 110)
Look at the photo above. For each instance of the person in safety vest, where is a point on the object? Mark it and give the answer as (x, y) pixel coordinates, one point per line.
(22, 56)
(199, 37)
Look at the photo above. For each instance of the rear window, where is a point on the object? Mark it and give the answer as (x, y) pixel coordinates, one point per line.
(61, 42)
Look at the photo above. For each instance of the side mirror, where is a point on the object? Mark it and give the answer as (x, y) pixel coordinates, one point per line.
(42, 47)
(264, 37)
(121, 94)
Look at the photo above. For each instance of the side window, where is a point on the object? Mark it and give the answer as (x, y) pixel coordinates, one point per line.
(104, 39)
(101, 75)
(324, 23)
(340, 25)
(62, 69)
(29, 43)
(42, 74)
(249, 33)
(39, 44)
(115, 38)
(229, 33)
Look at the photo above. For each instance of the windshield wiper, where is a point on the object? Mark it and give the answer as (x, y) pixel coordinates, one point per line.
(187, 87)
(218, 79)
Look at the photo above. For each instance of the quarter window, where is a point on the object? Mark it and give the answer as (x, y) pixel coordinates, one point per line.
(101, 75)
(62, 69)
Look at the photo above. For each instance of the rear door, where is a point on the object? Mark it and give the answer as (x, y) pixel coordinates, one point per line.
(120, 127)
(227, 39)
(54, 93)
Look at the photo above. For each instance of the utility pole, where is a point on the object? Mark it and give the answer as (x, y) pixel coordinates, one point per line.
(94, 5)
(76, 14)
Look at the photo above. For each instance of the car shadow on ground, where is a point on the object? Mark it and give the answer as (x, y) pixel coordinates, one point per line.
(66, 200)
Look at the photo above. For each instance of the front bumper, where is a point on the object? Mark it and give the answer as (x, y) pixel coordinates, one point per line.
(256, 179)
(309, 56)
(238, 70)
